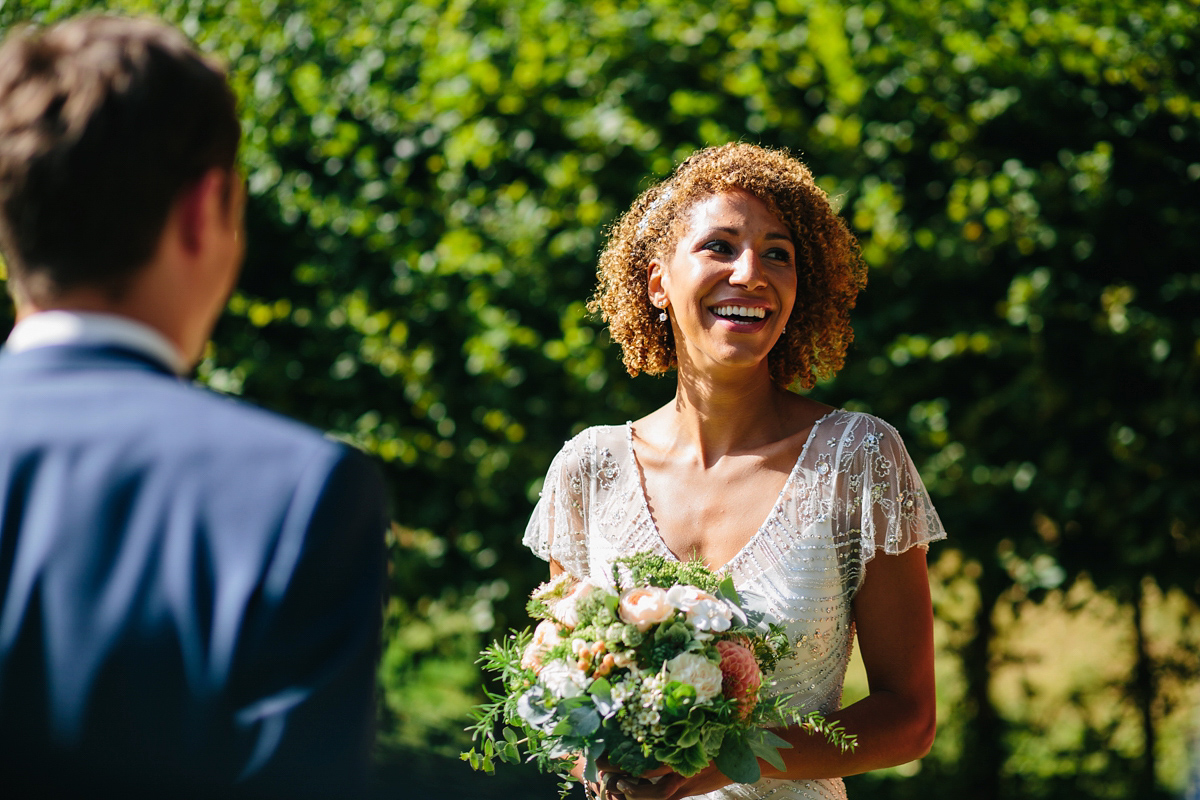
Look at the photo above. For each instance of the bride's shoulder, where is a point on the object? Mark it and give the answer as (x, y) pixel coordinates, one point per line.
(595, 443)
(599, 435)
(857, 420)
(860, 430)
(594, 456)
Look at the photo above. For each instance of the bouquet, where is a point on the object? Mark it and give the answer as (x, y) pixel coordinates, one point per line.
(668, 668)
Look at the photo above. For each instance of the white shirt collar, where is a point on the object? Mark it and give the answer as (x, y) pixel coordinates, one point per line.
(47, 328)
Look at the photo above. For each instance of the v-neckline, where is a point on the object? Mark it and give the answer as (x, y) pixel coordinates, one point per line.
(775, 507)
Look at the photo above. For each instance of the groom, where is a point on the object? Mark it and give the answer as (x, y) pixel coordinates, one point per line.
(190, 588)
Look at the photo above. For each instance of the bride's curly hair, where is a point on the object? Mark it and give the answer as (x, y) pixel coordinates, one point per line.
(829, 268)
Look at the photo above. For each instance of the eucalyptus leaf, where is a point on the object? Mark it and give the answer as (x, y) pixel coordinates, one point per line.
(578, 723)
(590, 770)
(531, 709)
(601, 694)
(561, 748)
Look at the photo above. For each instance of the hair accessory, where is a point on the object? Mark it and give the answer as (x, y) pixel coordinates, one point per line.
(662, 316)
(663, 198)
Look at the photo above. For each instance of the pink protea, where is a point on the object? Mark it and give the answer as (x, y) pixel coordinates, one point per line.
(740, 676)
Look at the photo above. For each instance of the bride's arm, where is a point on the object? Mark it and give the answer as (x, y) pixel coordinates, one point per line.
(895, 723)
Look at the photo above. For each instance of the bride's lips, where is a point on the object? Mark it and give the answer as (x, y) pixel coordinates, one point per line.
(741, 316)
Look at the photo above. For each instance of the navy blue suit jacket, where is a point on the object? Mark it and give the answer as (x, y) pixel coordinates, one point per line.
(190, 588)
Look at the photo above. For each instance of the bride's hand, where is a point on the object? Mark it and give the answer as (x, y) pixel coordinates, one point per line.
(663, 784)
(605, 786)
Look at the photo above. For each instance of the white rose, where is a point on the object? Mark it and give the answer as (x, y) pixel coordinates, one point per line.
(704, 611)
(698, 672)
(565, 612)
(564, 679)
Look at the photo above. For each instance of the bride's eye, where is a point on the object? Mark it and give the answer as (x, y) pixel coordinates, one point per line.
(778, 254)
(718, 246)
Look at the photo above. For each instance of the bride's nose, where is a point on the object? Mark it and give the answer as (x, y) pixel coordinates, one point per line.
(748, 271)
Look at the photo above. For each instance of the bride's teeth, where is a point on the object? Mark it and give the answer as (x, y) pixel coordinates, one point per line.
(739, 311)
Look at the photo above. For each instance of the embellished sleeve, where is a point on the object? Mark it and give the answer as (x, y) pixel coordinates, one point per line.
(883, 499)
(558, 528)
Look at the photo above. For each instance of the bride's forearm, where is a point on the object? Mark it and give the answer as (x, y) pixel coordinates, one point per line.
(889, 730)
(896, 722)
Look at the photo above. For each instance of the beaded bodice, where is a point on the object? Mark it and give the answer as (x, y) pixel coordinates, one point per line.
(853, 491)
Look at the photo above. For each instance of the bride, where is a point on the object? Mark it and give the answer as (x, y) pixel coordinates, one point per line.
(736, 272)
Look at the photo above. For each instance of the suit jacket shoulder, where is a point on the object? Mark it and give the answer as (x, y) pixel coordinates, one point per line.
(189, 585)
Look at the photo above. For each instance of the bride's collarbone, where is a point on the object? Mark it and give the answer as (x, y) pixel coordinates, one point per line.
(712, 510)
(712, 516)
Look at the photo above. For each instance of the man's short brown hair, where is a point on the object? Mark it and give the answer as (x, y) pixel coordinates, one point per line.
(103, 122)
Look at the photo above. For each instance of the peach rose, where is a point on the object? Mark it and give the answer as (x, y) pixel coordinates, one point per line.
(740, 675)
(645, 606)
(545, 636)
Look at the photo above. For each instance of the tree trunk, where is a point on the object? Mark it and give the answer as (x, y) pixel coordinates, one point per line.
(1144, 692)
(984, 755)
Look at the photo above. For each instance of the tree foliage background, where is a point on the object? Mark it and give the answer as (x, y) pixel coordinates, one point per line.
(430, 181)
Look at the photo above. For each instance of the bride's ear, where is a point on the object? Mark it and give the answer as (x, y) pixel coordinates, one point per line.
(654, 284)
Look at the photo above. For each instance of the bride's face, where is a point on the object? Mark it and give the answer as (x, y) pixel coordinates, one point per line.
(730, 284)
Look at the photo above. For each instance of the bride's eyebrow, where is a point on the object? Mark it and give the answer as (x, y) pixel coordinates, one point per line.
(783, 237)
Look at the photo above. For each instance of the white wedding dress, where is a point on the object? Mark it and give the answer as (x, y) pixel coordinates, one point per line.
(853, 490)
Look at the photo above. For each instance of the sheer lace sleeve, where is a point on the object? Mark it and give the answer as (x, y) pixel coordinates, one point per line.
(558, 528)
(880, 492)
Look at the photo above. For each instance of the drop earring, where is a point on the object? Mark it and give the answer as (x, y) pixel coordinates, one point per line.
(662, 316)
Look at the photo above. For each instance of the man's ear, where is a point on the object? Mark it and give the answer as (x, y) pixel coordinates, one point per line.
(654, 284)
(201, 209)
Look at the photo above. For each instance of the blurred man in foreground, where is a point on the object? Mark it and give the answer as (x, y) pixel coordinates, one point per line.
(190, 588)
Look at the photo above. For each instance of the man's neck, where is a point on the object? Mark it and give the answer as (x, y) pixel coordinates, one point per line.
(135, 305)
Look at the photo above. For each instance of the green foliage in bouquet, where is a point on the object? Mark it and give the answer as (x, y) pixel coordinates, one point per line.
(652, 569)
(667, 667)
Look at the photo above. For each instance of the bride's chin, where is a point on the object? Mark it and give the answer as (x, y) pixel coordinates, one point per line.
(721, 365)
